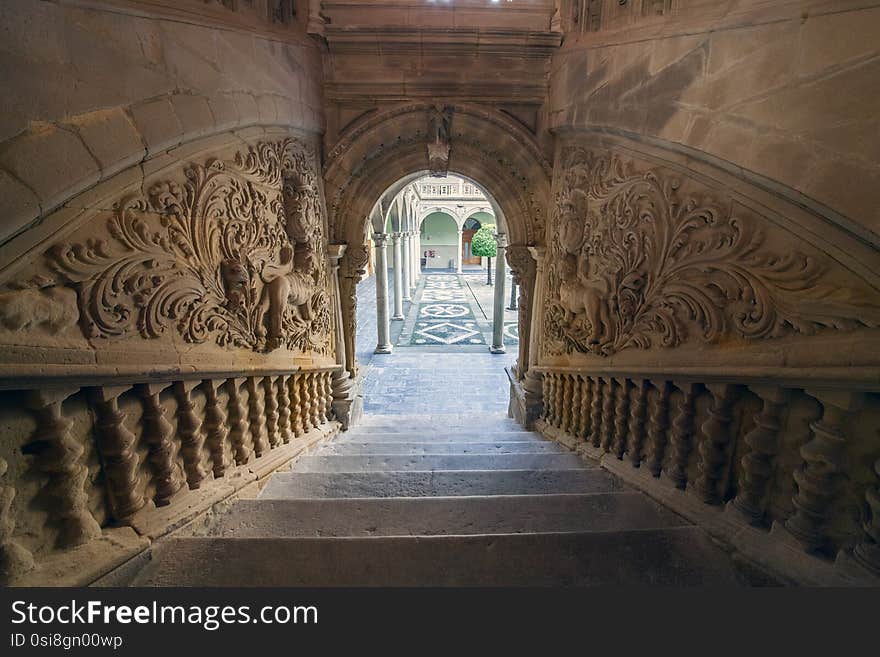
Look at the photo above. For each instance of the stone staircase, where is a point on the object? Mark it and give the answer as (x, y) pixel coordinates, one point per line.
(434, 501)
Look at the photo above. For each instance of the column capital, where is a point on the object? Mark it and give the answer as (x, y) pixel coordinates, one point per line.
(501, 240)
(395, 237)
(380, 239)
(335, 252)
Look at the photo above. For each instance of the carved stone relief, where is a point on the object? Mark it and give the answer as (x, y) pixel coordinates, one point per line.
(642, 258)
(229, 252)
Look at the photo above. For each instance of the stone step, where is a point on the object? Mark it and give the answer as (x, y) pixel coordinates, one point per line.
(295, 485)
(437, 447)
(435, 462)
(421, 435)
(681, 556)
(429, 516)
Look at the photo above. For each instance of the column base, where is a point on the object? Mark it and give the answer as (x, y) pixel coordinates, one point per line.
(383, 349)
(498, 350)
(407, 299)
(397, 318)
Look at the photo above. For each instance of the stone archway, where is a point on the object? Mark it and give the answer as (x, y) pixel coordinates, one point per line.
(382, 153)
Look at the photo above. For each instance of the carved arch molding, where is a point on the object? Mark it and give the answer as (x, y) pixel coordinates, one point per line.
(644, 256)
(479, 143)
(224, 251)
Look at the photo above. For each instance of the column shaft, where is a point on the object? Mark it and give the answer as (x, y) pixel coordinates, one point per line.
(406, 254)
(498, 313)
(383, 328)
(398, 277)
(458, 254)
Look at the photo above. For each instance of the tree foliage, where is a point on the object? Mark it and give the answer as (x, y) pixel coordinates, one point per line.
(483, 242)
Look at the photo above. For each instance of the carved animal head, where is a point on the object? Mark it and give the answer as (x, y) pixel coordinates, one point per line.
(235, 282)
(572, 215)
(568, 268)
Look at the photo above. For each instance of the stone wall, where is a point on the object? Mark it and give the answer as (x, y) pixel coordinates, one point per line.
(168, 311)
(101, 86)
(786, 90)
(708, 302)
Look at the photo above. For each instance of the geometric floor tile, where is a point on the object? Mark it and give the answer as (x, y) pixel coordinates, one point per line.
(444, 311)
(447, 332)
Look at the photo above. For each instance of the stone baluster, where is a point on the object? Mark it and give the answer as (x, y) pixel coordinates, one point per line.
(682, 436)
(216, 428)
(621, 418)
(296, 404)
(637, 427)
(58, 456)
(327, 377)
(189, 428)
(14, 559)
(158, 433)
(256, 415)
(239, 434)
(596, 412)
(715, 448)
(757, 465)
(820, 479)
(305, 396)
(270, 402)
(658, 423)
(550, 397)
(574, 424)
(584, 411)
(284, 422)
(608, 414)
(116, 444)
(315, 407)
(545, 394)
(867, 552)
(565, 406)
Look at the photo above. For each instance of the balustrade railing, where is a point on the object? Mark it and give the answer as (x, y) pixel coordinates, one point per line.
(103, 454)
(795, 461)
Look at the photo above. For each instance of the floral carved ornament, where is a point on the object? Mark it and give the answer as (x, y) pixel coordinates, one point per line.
(636, 263)
(233, 254)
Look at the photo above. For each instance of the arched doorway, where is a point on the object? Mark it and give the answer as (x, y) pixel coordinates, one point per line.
(438, 235)
(366, 168)
(470, 228)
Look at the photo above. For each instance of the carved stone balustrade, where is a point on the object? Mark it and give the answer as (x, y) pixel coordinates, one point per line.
(725, 453)
(143, 457)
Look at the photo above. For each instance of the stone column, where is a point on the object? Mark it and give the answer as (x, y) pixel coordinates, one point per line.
(532, 385)
(498, 316)
(413, 263)
(383, 329)
(341, 384)
(398, 278)
(405, 269)
(458, 253)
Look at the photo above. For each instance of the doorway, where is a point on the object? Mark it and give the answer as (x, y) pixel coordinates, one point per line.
(471, 226)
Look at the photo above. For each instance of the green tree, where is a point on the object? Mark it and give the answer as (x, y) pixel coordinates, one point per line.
(483, 244)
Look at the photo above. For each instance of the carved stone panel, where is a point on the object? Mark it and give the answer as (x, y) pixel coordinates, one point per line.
(643, 257)
(228, 252)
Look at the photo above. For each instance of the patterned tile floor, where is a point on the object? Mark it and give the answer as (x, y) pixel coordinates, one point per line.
(447, 374)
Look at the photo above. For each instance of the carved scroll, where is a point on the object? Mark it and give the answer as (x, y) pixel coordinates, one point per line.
(639, 262)
(228, 252)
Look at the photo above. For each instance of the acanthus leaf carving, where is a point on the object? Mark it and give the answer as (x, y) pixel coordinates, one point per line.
(639, 263)
(230, 255)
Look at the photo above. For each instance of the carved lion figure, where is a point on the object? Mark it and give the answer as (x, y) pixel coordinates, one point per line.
(584, 297)
(290, 283)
